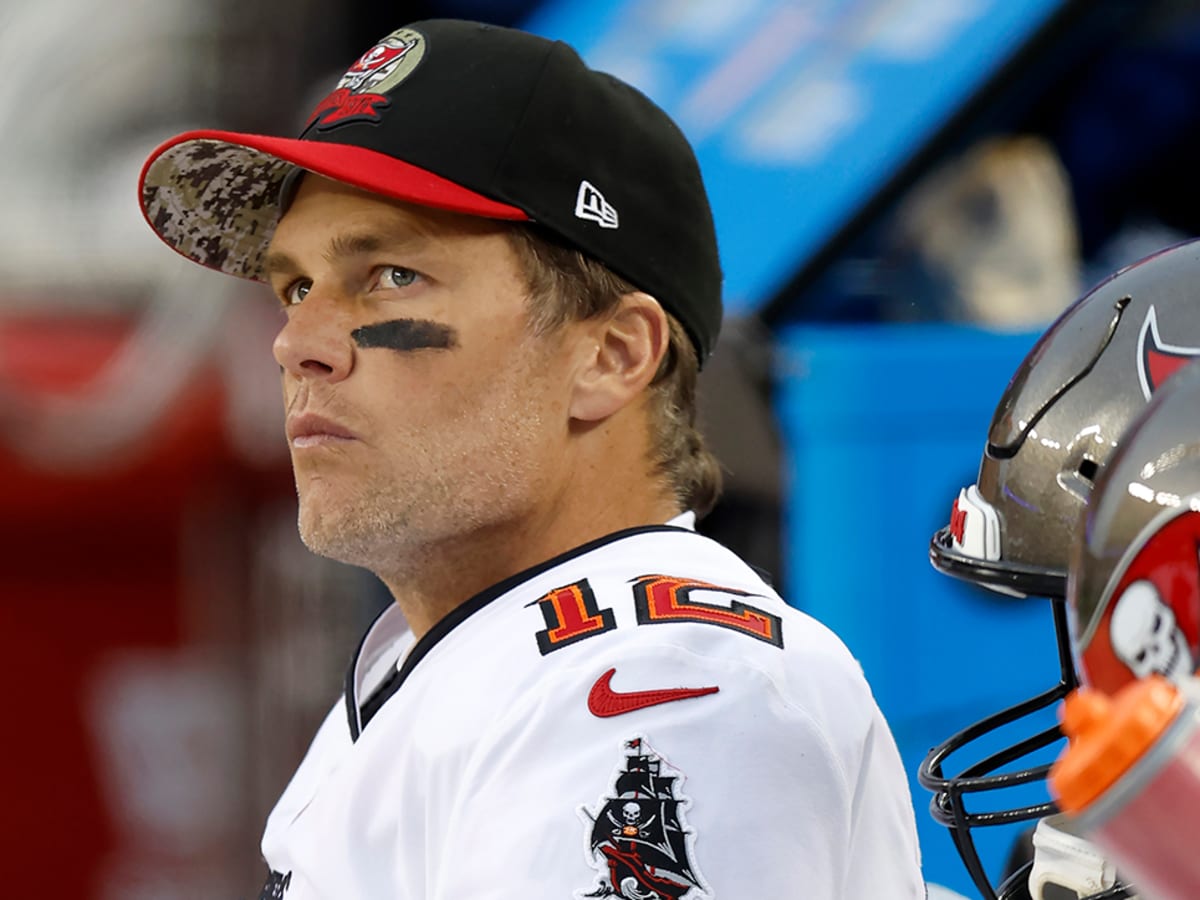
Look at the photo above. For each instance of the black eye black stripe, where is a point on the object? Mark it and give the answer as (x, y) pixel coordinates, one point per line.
(406, 334)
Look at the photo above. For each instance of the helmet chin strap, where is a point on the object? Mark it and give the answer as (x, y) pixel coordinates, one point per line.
(1066, 866)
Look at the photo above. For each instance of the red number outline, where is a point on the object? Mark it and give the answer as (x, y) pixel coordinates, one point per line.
(571, 615)
(661, 599)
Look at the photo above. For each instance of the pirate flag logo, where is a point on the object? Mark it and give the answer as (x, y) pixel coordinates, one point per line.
(1157, 359)
(637, 839)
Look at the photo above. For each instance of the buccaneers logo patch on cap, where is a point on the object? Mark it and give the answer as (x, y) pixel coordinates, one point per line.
(637, 838)
(360, 95)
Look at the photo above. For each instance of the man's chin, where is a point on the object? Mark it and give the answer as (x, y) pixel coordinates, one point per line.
(338, 548)
(357, 539)
(331, 539)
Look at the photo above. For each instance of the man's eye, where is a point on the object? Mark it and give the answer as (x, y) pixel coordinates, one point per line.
(296, 292)
(395, 277)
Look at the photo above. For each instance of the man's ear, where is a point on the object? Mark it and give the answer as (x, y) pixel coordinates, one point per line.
(625, 350)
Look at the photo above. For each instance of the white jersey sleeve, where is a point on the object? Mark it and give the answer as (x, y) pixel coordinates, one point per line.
(751, 796)
(609, 727)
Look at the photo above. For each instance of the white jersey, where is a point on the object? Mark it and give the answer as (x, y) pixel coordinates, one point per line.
(640, 718)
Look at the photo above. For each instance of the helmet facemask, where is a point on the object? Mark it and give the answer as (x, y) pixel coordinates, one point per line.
(1053, 433)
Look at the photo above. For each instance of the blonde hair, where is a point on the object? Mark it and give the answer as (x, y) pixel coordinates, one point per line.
(567, 285)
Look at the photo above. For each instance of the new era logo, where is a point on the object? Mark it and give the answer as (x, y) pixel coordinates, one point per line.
(591, 205)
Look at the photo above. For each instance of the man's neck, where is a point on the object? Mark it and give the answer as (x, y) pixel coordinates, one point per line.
(436, 579)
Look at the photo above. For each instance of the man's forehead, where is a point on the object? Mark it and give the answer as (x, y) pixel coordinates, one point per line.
(397, 216)
(345, 222)
(357, 239)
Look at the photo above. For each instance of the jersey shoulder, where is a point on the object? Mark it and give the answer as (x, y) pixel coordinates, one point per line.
(668, 576)
(677, 594)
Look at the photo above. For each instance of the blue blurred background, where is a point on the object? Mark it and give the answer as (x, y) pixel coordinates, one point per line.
(907, 193)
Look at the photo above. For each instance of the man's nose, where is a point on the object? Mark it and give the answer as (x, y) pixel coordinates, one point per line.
(315, 341)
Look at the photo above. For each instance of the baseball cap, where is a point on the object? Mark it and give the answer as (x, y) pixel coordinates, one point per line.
(475, 119)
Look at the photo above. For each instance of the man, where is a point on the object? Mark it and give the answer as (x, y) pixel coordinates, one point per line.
(1056, 429)
(500, 276)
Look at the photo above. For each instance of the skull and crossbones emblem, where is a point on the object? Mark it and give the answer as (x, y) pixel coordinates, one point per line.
(631, 824)
(1146, 636)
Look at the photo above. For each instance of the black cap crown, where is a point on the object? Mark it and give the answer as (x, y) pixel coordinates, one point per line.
(477, 119)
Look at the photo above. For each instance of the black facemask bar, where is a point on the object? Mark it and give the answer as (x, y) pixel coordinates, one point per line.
(947, 806)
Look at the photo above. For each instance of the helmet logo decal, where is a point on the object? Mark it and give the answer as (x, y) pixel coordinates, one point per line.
(1158, 361)
(1145, 635)
(1149, 621)
(360, 95)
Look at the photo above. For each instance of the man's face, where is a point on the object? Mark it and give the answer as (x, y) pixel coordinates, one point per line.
(420, 408)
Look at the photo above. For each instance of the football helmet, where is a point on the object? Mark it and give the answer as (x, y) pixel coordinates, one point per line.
(1053, 433)
(1133, 590)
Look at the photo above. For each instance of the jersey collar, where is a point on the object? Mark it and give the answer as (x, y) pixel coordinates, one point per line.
(380, 666)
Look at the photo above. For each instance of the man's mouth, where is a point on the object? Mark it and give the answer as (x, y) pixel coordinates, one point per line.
(311, 430)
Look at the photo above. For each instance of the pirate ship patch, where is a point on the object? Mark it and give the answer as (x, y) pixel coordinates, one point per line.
(637, 839)
(276, 886)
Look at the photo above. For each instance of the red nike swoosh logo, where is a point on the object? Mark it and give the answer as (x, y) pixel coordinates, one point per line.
(603, 701)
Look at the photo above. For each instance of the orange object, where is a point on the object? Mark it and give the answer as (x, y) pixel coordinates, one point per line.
(1108, 736)
(1130, 782)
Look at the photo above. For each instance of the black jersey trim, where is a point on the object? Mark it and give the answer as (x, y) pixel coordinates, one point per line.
(349, 696)
(363, 714)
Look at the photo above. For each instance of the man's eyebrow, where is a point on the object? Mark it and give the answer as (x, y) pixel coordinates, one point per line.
(342, 245)
(277, 262)
(402, 237)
